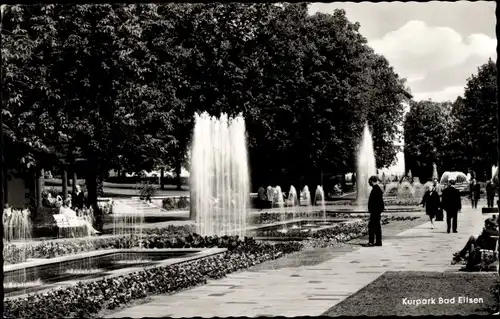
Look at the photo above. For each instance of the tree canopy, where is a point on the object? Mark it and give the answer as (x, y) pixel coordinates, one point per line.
(457, 136)
(118, 85)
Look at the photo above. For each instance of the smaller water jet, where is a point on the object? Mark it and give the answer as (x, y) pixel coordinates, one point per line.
(434, 172)
(270, 194)
(28, 284)
(279, 202)
(133, 261)
(83, 271)
(294, 201)
(319, 199)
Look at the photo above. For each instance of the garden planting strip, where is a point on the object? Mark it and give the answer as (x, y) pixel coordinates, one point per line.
(201, 253)
(56, 260)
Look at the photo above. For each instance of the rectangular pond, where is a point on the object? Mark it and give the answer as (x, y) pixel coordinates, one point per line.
(42, 274)
(294, 229)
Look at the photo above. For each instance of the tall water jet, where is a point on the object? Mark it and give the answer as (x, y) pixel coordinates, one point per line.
(220, 185)
(366, 165)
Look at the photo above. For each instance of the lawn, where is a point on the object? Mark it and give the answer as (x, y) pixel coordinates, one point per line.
(386, 295)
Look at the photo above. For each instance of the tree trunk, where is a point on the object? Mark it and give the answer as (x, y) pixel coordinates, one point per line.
(65, 183)
(91, 181)
(162, 178)
(39, 187)
(73, 182)
(178, 169)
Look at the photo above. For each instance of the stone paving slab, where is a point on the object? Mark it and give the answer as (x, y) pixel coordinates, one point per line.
(311, 290)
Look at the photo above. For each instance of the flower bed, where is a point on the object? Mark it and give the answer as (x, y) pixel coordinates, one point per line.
(340, 232)
(85, 300)
(270, 218)
(387, 201)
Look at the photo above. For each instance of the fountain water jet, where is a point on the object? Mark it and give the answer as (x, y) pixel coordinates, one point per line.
(305, 199)
(434, 172)
(220, 187)
(366, 165)
(319, 199)
(18, 229)
(294, 201)
(270, 194)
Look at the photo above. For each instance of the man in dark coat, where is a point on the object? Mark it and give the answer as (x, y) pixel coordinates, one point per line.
(452, 204)
(490, 192)
(78, 198)
(475, 193)
(375, 208)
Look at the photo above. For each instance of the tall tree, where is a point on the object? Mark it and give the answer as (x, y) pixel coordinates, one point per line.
(425, 135)
(479, 118)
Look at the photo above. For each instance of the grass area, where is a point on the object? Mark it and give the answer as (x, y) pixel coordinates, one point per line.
(385, 296)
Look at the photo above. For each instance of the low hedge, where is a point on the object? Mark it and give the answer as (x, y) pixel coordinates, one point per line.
(387, 201)
(270, 218)
(86, 300)
(175, 203)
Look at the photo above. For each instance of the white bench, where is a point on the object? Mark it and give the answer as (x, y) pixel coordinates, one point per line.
(67, 225)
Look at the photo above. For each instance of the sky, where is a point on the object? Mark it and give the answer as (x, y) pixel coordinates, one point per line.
(435, 45)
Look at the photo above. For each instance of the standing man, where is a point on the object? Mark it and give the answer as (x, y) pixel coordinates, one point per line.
(452, 204)
(78, 198)
(375, 208)
(490, 192)
(475, 193)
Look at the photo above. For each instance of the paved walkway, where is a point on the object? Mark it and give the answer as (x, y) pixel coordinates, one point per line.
(311, 290)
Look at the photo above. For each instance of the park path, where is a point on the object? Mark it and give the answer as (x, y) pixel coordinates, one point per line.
(311, 290)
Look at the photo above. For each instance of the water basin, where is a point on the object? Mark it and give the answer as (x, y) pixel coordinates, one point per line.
(48, 274)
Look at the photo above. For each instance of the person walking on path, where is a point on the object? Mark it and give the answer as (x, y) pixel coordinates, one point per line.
(432, 203)
(375, 208)
(475, 193)
(490, 193)
(452, 204)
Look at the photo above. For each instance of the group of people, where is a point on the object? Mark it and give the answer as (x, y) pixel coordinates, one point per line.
(73, 207)
(449, 201)
(475, 193)
(75, 200)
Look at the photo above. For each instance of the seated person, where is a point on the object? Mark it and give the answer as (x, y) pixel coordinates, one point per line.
(338, 189)
(483, 241)
(51, 202)
(75, 220)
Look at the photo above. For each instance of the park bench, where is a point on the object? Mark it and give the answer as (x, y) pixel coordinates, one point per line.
(485, 259)
(69, 227)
